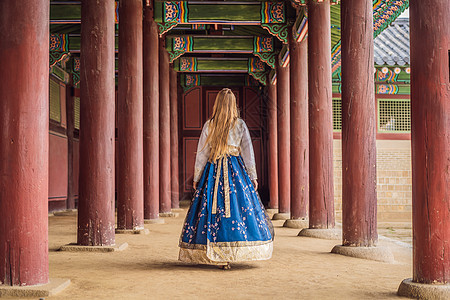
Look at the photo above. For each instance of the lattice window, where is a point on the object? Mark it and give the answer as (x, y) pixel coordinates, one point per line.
(337, 115)
(394, 115)
(76, 115)
(55, 101)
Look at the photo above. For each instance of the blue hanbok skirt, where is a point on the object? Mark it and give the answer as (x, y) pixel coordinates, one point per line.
(220, 228)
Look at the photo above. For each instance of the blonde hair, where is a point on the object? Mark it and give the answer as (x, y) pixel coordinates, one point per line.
(224, 116)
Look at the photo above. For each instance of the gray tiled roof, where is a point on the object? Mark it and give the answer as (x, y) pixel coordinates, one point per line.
(392, 45)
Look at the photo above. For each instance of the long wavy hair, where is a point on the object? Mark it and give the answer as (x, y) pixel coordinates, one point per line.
(224, 116)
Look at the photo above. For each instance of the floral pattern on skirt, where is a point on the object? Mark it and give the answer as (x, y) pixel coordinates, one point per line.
(213, 238)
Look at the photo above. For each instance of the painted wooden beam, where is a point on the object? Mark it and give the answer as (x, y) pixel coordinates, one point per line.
(189, 80)
(261, 46)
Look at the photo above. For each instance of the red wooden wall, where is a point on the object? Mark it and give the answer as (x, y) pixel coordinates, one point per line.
(196, 108)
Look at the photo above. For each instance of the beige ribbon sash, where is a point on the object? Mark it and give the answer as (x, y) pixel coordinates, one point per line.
(226, 186)
(223, 163)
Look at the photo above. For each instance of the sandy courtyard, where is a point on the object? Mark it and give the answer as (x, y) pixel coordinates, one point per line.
(301, 268)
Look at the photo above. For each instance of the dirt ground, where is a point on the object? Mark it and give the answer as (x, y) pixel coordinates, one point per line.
(301, 268)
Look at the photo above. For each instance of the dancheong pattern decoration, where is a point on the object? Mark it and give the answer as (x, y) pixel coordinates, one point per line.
(263, 44)
(263, 49)
(387, 75)
(180, 45)
(336, 58)
(198, 26)
(192, 80)
(273, 12)
(384, 13)
(76, 71)
(175, 12)
(59, 42)
(273, 18)
(304, 2)
(268, 57)
(257, 70)
(188, 64)
(260, 76)
(280, 31)
(300, 28)
(283, 56)
(387, 89)
(59, 49)
(256, 65)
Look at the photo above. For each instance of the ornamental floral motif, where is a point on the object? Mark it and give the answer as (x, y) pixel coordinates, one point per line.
(268, 57)
(192, 80)
(175, 11)
(278, 30)
(387, 76)
(388, 89)
(277, 12)
(181, 43)
(76, 64)
(256, 65)
(263, 44)
(188, 64)
(272, 12)
(58, 42)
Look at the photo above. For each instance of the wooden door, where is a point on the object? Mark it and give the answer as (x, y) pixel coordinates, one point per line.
(196, 108)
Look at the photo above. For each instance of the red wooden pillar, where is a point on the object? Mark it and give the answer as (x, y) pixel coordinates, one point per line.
(359, 178)
(96, 186)
(273, 145)
(164, 131)
(321, 203)
(430, 139)
(130, 190)
(151, 116)
(284, 158)
(299, 128)
(70, 115)
(175, 195)
(24, 142)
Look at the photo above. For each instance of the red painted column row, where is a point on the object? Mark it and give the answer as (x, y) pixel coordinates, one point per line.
(24, 110)
(273, 145)
(430, 139)
(174, 160)
(284, 156)
(151, 115)
(321, 205)
(130, 189)
(96, 185)
(164, 131)
(359, 178)
(299, 128)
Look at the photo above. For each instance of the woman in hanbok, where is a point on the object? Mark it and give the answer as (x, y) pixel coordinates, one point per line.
(226, 221)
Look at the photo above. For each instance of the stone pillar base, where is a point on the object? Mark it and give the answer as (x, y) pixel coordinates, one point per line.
(54, 286)
(272, 210)
(297, 223)
(178, 209)
(382, 254)
(281, 216)
(169, 215)
(411, 289)
(154, 221)
(80, 248)
(68, 212)
(185, 203)
(132, 231)
(326, 234)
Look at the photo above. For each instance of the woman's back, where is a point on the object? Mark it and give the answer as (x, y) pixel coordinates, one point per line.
(238, 139)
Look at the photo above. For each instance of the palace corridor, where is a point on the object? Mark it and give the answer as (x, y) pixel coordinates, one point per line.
(301, 268)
